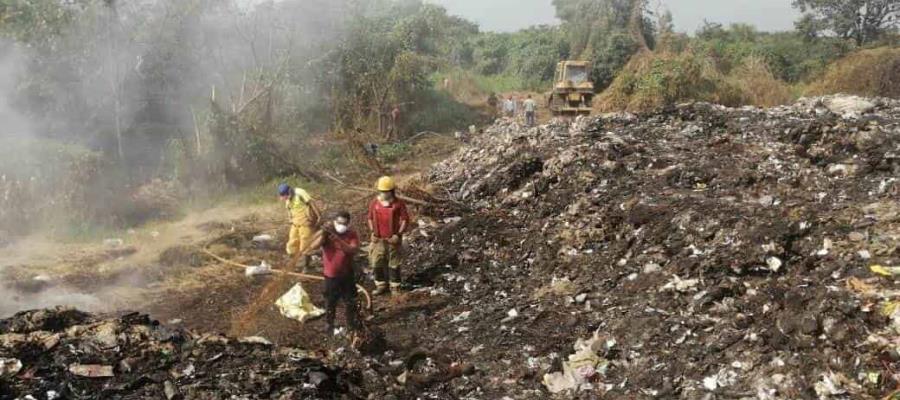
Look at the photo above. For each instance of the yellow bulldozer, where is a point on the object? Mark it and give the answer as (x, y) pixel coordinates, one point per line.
(573, 91)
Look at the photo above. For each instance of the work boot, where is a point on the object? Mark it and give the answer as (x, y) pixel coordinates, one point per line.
(396, 290)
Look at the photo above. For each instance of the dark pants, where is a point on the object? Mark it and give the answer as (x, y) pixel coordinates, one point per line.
(529, 118)
(336, 289)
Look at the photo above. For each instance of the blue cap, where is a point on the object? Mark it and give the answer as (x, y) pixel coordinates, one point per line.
(284, 189)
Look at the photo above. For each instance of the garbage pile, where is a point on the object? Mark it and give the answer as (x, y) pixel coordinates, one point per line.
(710, 252)
(65, 354)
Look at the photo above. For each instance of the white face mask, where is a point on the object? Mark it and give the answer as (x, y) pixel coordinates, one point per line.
(385, 203)
(341, 228)
(386, 197)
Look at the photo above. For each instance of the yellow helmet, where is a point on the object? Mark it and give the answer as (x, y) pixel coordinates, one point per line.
(385, 184)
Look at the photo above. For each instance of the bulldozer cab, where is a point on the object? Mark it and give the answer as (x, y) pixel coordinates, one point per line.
(573, 91)
(575, 73)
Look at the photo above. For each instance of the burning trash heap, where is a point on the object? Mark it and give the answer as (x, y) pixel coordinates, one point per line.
(693, 252)
(65, 354)
(696, 252)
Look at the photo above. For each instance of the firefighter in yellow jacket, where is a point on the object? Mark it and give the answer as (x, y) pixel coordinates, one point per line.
(304, 217)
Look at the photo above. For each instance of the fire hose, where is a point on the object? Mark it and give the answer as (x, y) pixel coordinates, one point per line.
(294, 274)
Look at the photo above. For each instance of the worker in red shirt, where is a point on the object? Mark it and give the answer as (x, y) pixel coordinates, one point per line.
(388, 221)
(339, 246)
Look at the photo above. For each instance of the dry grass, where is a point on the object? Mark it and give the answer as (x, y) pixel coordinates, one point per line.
(655, 80)
(873, 72)
(757, 85)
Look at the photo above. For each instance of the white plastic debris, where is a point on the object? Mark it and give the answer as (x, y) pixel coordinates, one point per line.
(510, 315)
(255, 340)
(681, 285)
(864, 254)
(650, 268)
(774, 263)
(581, 367)
(826, 247)
(263, 238)
(262, 269)
(723, 378)
(296, 304)
(9, 367)
(463, 316)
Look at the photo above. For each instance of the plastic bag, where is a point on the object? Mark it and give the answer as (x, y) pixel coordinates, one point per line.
(262, 269)
(296, 304)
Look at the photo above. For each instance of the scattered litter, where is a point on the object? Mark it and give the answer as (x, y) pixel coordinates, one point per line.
(296, 304)
(9, 367)
(92, 370)
(681, 285)
(463, 316)
(885, 271)
(263, 238)
(724, 378)
(826, 247)
(262, 269)
(832, 384)
(510, 315)
(774, 264)
(859, 286)
(650, 268)
(255, 340)
(581, 368)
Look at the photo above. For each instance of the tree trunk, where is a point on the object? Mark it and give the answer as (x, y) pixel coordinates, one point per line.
(114, 81)
(636, 25)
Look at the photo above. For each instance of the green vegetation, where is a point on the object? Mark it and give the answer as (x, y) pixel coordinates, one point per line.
(180, 100)
(863, 21)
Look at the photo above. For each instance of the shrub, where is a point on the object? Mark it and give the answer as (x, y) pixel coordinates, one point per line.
(655, 80)
(392, 152)
(873, 72)
(757, 85)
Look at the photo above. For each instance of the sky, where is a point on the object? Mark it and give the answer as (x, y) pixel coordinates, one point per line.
(511, 15)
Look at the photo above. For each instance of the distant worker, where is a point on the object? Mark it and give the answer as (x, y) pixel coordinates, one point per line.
(340, 243)
(509, 107)
(388, 220)
(304, 216)
(530, 108)
(492, 102)
(394, 130)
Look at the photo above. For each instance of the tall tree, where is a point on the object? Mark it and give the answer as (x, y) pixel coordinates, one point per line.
(861, 20)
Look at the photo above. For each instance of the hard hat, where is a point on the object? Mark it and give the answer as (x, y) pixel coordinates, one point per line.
(284, 189)
(385, 184)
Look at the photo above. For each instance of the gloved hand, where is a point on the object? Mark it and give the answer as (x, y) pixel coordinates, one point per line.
(395, 240)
